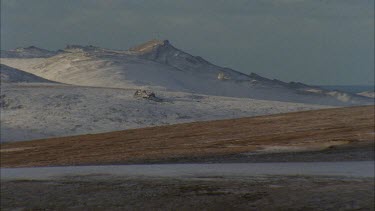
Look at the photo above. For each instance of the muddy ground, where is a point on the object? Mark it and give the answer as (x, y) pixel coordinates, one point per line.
(99, 192)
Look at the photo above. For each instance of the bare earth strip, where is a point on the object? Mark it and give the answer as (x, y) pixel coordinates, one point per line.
(252, 193)
(300, 131)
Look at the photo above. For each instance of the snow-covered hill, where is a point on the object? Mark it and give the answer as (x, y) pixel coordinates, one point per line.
(41, 110)
(96, 86)
(369, 94)
(12, 75)
(157, 65)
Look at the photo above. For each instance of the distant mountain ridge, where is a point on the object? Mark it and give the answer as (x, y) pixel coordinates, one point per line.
(158, 65)
(28, 52)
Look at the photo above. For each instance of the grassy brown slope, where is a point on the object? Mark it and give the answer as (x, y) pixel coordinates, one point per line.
(319, 128)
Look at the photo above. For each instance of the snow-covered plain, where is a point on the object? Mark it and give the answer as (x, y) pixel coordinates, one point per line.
(41, 110)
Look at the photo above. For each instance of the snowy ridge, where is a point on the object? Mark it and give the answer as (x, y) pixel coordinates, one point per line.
(158, 65)
(96, 91)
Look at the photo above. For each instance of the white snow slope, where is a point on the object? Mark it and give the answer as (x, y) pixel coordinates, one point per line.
(37, 110)
(157, 65)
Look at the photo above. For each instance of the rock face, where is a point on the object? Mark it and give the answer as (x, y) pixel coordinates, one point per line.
(148, 46)
(165, 53)
(221, 76)
(146, 94)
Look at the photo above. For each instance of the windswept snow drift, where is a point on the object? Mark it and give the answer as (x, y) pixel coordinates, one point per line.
(158, 65)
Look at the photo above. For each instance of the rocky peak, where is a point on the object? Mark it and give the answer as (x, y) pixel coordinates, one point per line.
(81, 47)
(149, 46)
(33, 48)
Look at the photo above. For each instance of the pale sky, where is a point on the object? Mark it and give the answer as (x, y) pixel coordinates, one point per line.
(323, 42)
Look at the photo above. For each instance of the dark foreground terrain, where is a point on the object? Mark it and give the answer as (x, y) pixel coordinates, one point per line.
(99, 192)
(339, 133)
(343, 134)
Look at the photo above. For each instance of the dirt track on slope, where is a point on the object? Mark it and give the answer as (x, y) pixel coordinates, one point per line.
(300, 131)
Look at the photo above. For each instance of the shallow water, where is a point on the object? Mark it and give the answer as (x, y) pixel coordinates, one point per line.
(348, 169)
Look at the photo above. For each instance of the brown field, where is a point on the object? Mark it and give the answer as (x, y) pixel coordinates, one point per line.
(308, 130)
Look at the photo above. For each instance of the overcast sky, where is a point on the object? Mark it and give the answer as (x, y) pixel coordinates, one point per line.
(311, 41)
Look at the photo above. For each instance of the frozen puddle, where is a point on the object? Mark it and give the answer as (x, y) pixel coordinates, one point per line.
(348, 169)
